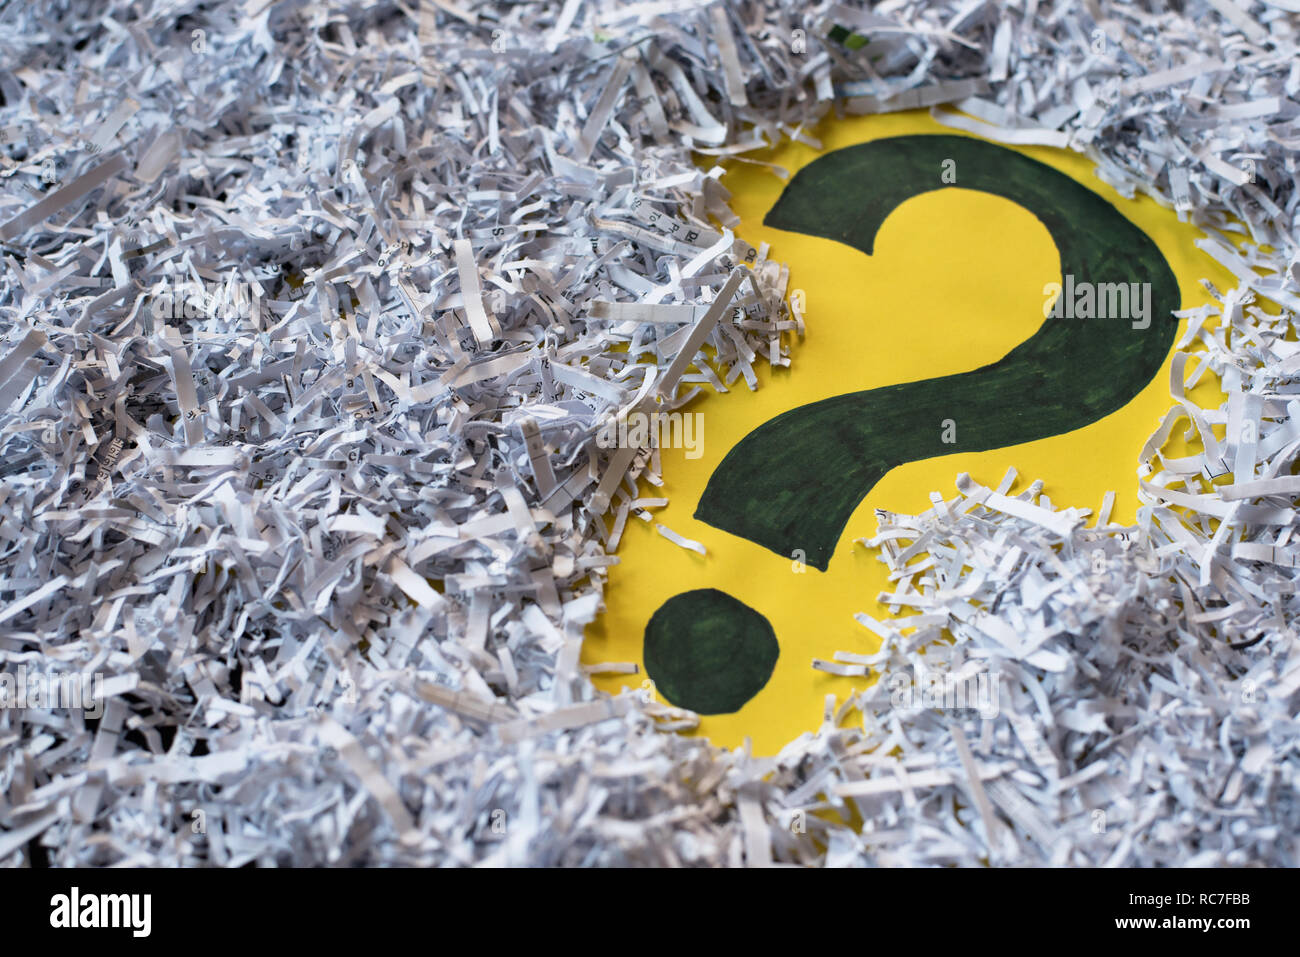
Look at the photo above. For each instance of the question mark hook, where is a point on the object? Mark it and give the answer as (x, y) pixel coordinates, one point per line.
(794, 481)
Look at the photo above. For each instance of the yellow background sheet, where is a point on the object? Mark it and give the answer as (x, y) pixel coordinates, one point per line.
(955, 283)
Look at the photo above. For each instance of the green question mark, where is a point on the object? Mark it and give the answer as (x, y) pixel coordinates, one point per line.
(793, 482)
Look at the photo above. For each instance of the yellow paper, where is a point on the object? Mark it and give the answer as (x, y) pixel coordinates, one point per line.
(945, 292)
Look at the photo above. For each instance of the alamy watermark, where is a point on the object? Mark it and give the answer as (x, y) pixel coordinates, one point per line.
(665, 430)
(53, 689)
(75, 910)
(947, 692)
(195, 300)
(1103, 300)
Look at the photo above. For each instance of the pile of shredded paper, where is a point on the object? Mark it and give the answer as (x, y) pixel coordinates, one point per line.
(311, 313)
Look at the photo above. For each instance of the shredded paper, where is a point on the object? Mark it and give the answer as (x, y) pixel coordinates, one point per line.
(313, 313)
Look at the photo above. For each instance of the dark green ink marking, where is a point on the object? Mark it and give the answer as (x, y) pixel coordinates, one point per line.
(708, 652)
(793, 482)
(854, 41)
